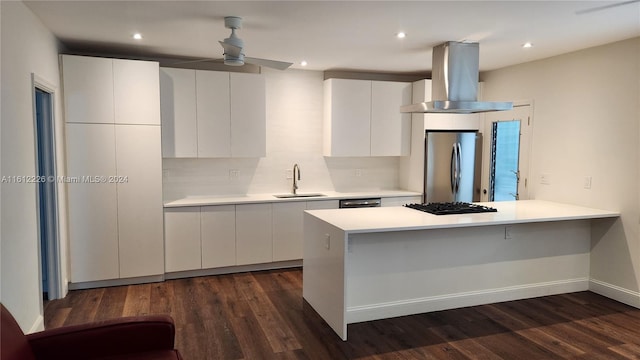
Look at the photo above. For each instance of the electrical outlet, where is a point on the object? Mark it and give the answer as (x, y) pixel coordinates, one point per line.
(358, 172)
(545, 179)
(507, 232)
(288, 174)
(234, 173)
(586, 183)
(327, 241)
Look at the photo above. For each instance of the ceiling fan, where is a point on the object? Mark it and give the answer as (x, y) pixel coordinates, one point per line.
(233, 49)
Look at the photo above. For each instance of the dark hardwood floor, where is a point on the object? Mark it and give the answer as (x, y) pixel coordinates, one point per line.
(261, 315)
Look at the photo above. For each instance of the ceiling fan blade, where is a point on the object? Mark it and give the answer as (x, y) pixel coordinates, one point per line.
(196, 61)
(604, 7)
(230, 49)
(280, 65)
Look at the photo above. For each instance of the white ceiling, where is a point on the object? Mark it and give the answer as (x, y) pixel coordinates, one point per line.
(331, 35)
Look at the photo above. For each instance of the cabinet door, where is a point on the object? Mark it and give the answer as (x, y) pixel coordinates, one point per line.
(248, 115)
(213, 114)
(253, 234)
(401, 200)
(182, 239)
(88, 89)
(390, 129)
(178, 113)
(287, 230)
(347, 114)
(93, 223)
(136, 89)
(218, 235)
(322, 204)
(139, 184)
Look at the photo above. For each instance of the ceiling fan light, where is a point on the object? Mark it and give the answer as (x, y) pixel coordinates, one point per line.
(233, 62)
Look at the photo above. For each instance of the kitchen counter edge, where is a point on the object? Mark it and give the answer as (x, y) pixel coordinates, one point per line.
(270, 198)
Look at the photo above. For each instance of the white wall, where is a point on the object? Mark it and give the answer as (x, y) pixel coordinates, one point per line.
(586, 122)
(27, 47)
(294, 135)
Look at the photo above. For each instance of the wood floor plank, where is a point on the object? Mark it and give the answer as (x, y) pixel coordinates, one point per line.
(262, 315)
(277, 331)
(137, 301)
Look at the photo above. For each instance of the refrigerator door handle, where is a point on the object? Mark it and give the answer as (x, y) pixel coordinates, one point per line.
(459, 170)
(453, 169)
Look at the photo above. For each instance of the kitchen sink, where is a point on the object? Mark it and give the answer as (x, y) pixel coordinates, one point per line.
(288, 196)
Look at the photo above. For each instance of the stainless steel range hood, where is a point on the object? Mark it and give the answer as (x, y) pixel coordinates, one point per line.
(454, 82)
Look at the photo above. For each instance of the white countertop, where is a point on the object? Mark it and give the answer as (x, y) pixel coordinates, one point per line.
(205, 200)
(365, 220)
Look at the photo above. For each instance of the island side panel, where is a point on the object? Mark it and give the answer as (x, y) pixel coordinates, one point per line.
(408, 272)
(323, 274)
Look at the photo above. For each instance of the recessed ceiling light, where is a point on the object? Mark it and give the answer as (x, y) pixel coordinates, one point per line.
(303, 63)
(401, 35)
(527, 45)
(137, 36)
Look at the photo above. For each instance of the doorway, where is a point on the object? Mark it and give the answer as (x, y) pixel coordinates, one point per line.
(47, 188)
(507, 154)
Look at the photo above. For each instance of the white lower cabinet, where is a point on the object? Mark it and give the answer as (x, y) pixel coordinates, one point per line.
(322, 204)
(253, 234)
(288, 230)
(288, 227)
(401, 200)
(182, 239)
(218, 235)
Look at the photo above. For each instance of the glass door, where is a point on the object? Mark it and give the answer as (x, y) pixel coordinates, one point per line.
(506, 154)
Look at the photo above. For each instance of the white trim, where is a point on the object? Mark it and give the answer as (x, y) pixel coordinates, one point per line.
(37, 326)
(625, 296)
(116, 282)
(471, 298)
(233, 269)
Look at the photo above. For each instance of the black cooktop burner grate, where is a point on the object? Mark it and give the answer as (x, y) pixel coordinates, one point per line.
(450, 208)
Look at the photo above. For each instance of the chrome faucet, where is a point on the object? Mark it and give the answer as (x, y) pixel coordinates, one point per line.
(295, 182)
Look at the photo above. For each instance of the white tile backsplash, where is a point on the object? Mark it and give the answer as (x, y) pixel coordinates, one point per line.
(294, 135)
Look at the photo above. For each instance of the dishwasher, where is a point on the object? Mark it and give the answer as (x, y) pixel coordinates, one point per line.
(359, 203)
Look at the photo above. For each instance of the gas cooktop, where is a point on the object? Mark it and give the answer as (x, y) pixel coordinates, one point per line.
(450, 208)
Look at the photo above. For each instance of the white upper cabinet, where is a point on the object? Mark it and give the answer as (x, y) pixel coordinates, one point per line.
(178, 109)
(390, 129)
(248, 115)
(347, 117)
(136, 92)
(212, 114)
(107, 91)
(88, 89)
(362, 118)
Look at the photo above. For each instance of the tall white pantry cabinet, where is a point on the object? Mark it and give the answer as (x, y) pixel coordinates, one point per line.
(112, 110)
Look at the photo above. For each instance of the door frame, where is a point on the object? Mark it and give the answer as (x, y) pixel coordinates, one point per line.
(56, 286)
(526, 132)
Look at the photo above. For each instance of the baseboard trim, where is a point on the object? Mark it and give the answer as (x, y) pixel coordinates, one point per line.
(617, 293)
(233, 269)
(116, 282)
(472, 298)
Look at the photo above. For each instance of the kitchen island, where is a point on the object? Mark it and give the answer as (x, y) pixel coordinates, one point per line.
(375, 263)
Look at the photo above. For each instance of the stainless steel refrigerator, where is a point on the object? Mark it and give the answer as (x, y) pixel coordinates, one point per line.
(452, 166)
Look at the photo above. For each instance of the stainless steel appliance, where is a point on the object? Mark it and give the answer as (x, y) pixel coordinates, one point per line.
(452, 166)
(359, 203)
(454, 83)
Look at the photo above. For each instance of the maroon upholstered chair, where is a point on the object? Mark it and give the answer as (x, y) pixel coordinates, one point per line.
(133, 338)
